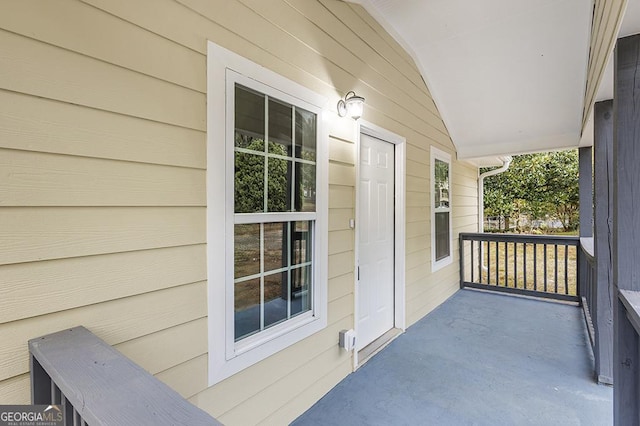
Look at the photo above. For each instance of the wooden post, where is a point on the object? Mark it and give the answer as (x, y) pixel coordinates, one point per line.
(626, 225)
(585, 183)
(603, 221)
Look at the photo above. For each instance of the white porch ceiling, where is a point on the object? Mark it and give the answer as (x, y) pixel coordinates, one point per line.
(508, 76)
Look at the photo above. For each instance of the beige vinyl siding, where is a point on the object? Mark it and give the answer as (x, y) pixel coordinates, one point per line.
(102, 182)
(607, 18)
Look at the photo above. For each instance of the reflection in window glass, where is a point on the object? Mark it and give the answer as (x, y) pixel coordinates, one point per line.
(441, 184)
(306, 193)
(301, 243)
(246, 250)
(305, 134)
(275, 248)
(275, 298)
(280, 128)
(249, 183)
(300, 290)
(247, 308)
(278, 191)
(442, 235)
(249, 119)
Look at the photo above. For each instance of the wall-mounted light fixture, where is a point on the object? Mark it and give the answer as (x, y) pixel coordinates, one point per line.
(352, 105)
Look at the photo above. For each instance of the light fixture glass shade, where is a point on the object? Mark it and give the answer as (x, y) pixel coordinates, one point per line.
(352, 105)
(355, 106)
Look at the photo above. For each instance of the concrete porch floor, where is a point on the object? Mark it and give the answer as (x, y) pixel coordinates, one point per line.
(478, 359)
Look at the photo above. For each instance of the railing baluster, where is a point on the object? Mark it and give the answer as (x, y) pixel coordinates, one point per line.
(545, 267)
(472, 265)
(566, 269)
(480, 259)
(524, 265)
(506, 264)
(497, 263)
(515, 265)
(535, 266)
(488, 262)
(555, 247)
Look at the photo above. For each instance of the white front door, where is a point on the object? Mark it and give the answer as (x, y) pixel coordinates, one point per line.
(376, 239)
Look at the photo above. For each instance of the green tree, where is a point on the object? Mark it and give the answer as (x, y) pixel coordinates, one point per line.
(538, 185)
(249, 177)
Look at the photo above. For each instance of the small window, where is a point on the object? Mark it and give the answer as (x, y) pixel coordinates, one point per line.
(266, 213)
(441, 228)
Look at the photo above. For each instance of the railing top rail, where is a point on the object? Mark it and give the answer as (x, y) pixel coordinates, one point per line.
(631, 301)
(586, 243)
(522, 238)
(106, 387)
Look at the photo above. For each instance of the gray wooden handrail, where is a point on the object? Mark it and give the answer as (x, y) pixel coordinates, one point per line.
(97, 385)
(587, 247)
(631, 301)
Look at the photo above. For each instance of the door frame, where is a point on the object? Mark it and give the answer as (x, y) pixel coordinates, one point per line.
(399, 142)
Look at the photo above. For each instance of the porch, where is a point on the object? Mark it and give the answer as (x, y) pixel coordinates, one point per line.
(480, 358)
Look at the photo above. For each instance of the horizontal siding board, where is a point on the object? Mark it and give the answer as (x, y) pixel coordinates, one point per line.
(115, 321)
(341, 286)
(282, 45)
(416, 169)
(39, 69)
(339, 219)
(343, 47)
(36, 179)
(255, 409)
(417, 184)
(196, 29)
(340, 264)
(177, 344)
(64, 24)
(341, 196)
(342, 151)
(187, 378)
(253, 380)
(417, 229)
(37, 124)
(341, 174)
(350, 39)
(352, 20)
(417, 243)
(341, 241)
(45, 233)
(391, 43)
(413, 260)
(308, 397)
(16, 390)
(37, 288)
(418, 154)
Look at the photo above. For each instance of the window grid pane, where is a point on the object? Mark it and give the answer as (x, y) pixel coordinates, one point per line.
(281, 289)
(273, 259)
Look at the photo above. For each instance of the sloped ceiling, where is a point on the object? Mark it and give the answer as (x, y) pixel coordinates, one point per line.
(508, 76)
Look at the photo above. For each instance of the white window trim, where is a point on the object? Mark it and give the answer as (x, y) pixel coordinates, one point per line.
(437, 154)
(224, 66)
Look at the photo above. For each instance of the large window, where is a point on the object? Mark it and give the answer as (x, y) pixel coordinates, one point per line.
(274, 177)
(266, 210)
(441, 229)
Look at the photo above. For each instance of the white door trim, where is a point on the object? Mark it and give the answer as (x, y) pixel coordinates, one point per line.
(399, 143)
